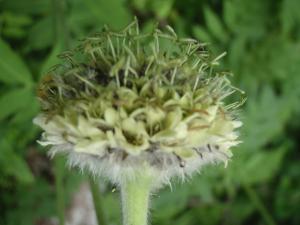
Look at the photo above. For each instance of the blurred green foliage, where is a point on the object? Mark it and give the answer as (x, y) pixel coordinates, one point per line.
(262, 40)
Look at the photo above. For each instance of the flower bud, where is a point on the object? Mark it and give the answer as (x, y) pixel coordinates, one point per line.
(124, 102)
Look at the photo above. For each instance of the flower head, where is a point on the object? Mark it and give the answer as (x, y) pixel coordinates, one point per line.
(123, 103)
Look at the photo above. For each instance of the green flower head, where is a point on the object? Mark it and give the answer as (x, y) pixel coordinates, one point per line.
(123, 103)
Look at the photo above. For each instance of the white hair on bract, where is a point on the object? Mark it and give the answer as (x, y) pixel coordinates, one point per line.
(115, 163)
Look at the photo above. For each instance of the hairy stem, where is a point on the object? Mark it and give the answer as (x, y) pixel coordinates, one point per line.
(97, 202)
(135, 200)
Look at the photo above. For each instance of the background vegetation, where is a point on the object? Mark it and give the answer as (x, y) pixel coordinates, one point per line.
(262, 40)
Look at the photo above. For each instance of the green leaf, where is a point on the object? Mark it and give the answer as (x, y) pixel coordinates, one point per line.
(16, 20)
(112, 207)
(79, 19)
(207, 214)
(13, 101)
(240, 211)
(52, 59)
(13, 164)
(14, 25)
(264, 118)
(12, 68)
(26, 198)
(140, 5)
(13, 32)
(162, 9)
(237, 48)
(167, 198)
(29, 113)
(263, 166)
(40, 35)
(214, 25)
(249, 18)
(28, 6)
(111, 12)
(202, 34)
(289, 15)
(229, 14)
(257, 167)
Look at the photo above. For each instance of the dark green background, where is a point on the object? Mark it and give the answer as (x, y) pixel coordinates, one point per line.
(262, 41)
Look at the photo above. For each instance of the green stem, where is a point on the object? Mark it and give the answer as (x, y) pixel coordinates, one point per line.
(259, 205)
(59, 188)
(97, 202)
(135, 200)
